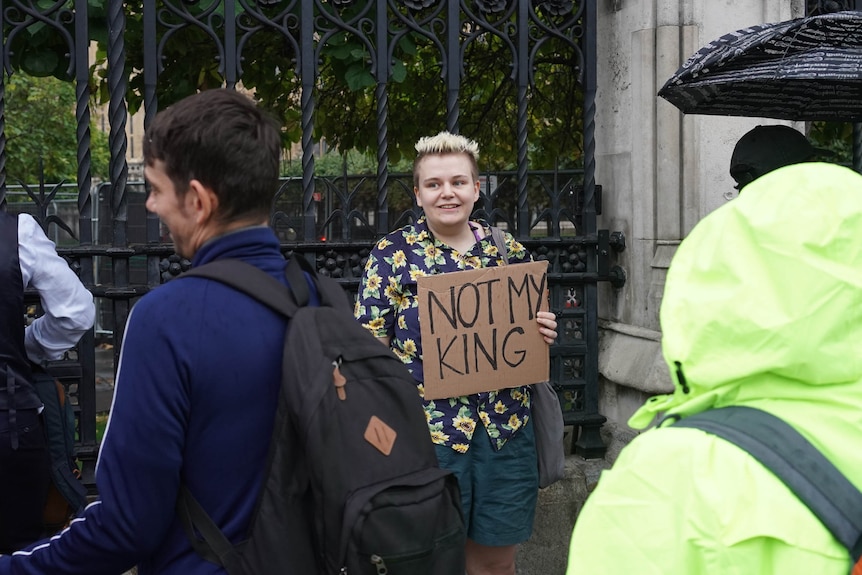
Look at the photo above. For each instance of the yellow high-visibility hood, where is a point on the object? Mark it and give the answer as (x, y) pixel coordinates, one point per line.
(763, 299)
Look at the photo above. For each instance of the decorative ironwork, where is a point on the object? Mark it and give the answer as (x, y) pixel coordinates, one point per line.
(420, 4)
(2, 136)
(334, 221)
(492, 6)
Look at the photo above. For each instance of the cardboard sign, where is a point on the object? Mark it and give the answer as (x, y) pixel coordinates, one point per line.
(479, 330)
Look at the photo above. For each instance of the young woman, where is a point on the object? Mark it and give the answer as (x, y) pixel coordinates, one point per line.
(486, 439)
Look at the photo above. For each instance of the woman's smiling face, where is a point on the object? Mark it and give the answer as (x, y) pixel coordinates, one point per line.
(446, 191)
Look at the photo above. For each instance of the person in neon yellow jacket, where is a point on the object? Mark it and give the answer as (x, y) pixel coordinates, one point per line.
(762, 307)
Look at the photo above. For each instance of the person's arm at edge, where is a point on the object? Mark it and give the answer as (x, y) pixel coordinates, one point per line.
(138, 465)
(68, 305)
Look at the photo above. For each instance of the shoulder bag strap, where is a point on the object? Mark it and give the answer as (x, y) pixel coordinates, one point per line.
(805, 470)
(500, 242)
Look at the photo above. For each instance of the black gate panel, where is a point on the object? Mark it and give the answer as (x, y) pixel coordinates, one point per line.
(120, 251)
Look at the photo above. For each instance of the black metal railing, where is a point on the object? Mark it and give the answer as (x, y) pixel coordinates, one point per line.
(121, 252)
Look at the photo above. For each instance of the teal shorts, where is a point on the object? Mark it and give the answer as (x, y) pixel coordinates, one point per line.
(498, 488)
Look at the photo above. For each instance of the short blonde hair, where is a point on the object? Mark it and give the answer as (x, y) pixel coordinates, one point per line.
(442, 144)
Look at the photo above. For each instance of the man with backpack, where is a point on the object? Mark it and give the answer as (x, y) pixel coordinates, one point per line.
(761, 316)
(28, 259)
(200, 365)
(241, 441)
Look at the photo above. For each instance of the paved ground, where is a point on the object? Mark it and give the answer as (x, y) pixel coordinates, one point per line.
(558, 506)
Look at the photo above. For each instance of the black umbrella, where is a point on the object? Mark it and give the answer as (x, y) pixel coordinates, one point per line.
(802, 69)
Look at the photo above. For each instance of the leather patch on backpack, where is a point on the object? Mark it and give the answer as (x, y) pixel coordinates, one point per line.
(380, 435)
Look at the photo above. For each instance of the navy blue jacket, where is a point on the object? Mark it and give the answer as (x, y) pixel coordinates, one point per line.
(195, 398)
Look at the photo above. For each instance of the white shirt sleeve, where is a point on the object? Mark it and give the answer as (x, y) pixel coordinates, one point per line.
(68, 305)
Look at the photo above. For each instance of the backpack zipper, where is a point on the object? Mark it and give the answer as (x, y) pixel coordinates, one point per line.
(339, 380)
(378, 562)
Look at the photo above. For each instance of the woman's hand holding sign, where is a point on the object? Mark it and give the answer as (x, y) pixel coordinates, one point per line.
(547, 325)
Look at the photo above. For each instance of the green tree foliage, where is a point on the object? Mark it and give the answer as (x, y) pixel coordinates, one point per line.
(345, 92)
(334, 163)
(487, 104)
(836, 137)
(41, 132)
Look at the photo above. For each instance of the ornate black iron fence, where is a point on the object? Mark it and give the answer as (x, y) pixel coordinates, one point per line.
(120, 250)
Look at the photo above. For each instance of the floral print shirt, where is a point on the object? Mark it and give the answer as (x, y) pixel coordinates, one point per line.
(388, 306)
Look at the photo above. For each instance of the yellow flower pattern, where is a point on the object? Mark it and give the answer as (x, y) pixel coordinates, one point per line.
(416, 273)
(465, 424)
(439, 437)
(388, 307)
(392, 292)
(514, 422)
(398, 259)
(410, 347)
(375, 325)
(383, 244)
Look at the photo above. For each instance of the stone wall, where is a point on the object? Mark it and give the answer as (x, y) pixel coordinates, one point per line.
(661, 171)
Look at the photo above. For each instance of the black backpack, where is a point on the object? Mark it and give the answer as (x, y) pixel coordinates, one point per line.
(800, 465)
(353, 484)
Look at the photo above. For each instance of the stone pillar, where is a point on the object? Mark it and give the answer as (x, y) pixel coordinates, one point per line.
(661, 171)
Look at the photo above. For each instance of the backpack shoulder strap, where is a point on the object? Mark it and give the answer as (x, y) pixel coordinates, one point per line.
(205, 536)
(202, 532)
(329, 291)
(266, 289)
(255, 283)
(800, 465)
(500, 242)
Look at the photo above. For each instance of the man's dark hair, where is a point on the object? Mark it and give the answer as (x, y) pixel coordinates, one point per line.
(222, 139)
